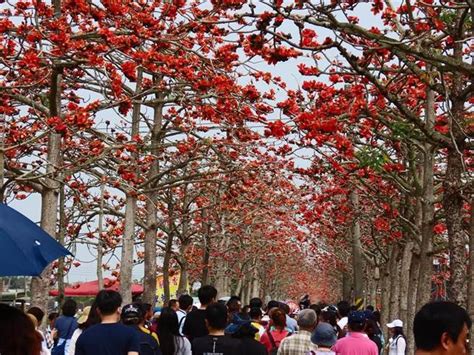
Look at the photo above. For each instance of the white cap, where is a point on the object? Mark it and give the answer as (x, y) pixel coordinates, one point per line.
(395, 323)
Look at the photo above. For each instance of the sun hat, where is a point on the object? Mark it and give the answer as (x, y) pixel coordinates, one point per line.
(84, 315)
(397, 323)
(324, 335)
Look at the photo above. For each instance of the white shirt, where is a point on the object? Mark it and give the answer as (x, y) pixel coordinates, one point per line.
(183, 346)
(72, 344)
(181, 314)
(397, 346)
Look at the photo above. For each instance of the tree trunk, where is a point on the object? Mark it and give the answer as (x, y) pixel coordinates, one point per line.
(427, 211)
(126, 261)
(471, 270)
(49, 195)
(183, 279)
(394, 283)
(60, 237)
(412, 290)
(357, 259)
(100, 247)
(405, 280)
(385, 280)
(346, 286)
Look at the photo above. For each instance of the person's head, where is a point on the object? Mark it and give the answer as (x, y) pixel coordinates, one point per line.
(370, 308)
(343, 309)
(356, 321)
(245, 330)
(173, 304)
(278, 318)
(272, 304)
(38, 313)
(52, 318)
(89, 318)
(395, 327)
(285, 308)
(69, 307)
(216, 316)
(18, 333)
(147, 310)
(132, 314)
(185, 302)
(207, 294)
(329, 315)
(376, 316)
(307, 319)
(316, 308)
(255, 314)
(442, 327)
(256, 303)
(168, 328)
(234, 305)
(108, 303)
(324, 335)
(33, 320)
(371, 327)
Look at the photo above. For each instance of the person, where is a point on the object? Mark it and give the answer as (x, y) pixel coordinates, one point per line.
(356, 341)
(329, 315)
(195, 323)
(171, 341)
(38, 315)
(291, 323)
(343, 309)
(370, 308)
(376, 317)
(185, 306)
(133, 315)
(216, 342)
(441, 328)
(109, 336)
(397, 344)
(246, 332)
(324, 337)
(44, 348)
(276, 331)
(18, 333)
(300, 342)
(49, 329)
(255, 318)
(64, 327)
(173, 304)
(234, 306)
(147, 310)
(371, 329)
(89, 317)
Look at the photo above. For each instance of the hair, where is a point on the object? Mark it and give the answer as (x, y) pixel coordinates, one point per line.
(255, 312)
(69, 307)
(272, 304)
(172, 303)
(371, 327)
(285, 308)
(19, 335)
(206, 294)
(38, 313)
(376, 316)
(278, 318)
(234, 305)
(146, 307)
(52, 316)
(246, 330)
(168, 328)
(398, 331)
(246, 309)
(356, 327)
(33, 319)
(108, 302)
(185, 301)
(255, 303)
(343, 308)
(436, 318)
(307, 318)
(329, 317)
(316, 308)
(92, 319)
(370, 308)
(216, 316)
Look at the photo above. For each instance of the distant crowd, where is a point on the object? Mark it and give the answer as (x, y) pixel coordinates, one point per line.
(228, 328)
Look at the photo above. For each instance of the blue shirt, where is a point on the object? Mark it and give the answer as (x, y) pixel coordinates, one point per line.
(108, 339)
(291, 324)
(65, 326)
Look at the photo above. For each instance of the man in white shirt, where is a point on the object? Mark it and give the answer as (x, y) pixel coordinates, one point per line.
(185, 306)
(343, 309)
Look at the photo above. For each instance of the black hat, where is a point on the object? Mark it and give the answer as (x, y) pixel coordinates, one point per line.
(131, 311)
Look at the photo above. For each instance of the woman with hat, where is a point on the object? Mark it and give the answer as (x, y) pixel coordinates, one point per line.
(324, 337)
(397, 343)
(89, 316)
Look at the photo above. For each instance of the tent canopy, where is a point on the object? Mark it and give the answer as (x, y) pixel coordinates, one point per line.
(91, 288)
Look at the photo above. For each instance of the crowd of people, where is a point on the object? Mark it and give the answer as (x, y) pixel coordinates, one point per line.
(228, 328)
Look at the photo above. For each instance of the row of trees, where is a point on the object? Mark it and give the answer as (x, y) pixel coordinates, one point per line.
(147, 125)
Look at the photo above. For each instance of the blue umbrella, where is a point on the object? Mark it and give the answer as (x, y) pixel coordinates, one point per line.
(25, 249)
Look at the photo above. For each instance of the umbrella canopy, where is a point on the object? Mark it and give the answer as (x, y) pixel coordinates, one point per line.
(91, 288)
(25, 249)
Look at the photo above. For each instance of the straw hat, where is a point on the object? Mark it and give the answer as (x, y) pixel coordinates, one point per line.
(84, 315)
